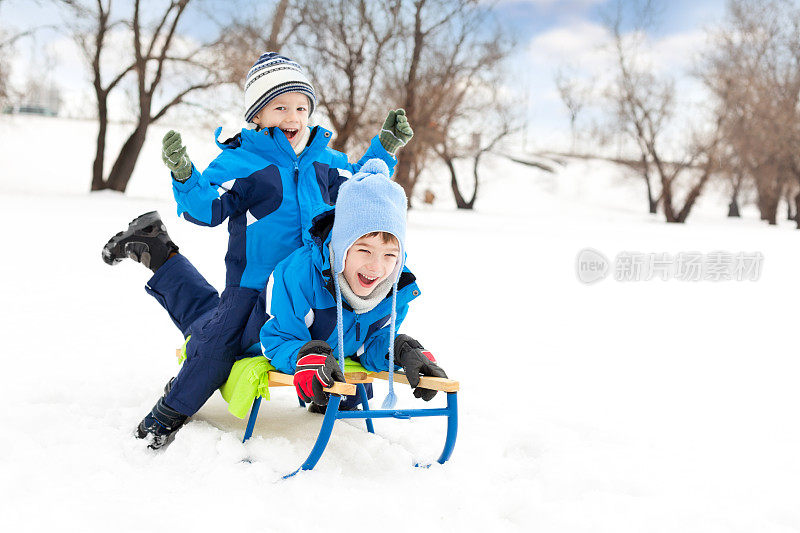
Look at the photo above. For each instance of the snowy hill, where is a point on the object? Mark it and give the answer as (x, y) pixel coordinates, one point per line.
(638, 406)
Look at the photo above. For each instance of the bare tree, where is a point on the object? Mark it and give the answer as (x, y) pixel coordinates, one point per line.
(575, 96)
(641, 101)
(731, 172)
(438, 34)
(480, 147)
(8, 39)
(278, 17)
(244, 39)
(644, 108)
(468, 96)
(153, 50)
(5, 69)
(91, 28)
(753, 72)
(789, 193)
(345, 53)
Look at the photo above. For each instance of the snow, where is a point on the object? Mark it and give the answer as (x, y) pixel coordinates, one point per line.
(658, 406)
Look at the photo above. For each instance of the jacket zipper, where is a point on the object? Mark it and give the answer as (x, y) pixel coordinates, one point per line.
(296, 161)
(358, 331)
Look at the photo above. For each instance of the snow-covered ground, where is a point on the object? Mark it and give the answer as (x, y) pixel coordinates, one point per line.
(650, 406)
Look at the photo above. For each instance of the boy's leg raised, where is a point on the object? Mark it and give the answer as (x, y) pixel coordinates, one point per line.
(184, 293)
(212, 350)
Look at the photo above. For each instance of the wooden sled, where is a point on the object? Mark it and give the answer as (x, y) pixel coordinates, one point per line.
(355, 385)
(252, 377)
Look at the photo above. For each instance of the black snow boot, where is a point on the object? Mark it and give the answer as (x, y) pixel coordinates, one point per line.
(160, 424)
(344, 406)
(349, 403)
(145, 241)
(168, 386)
(317, 409)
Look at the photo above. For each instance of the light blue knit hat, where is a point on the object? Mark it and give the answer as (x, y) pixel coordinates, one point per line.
(369, 202)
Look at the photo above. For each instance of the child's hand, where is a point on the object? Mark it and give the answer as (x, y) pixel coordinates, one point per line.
(417, 362)
(316, 369)
(396, 131)
(173, 152)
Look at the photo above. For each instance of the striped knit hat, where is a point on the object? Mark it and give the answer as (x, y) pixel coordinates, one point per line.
(271, 76)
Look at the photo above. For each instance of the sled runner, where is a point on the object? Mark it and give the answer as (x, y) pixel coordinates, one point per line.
(251, 378)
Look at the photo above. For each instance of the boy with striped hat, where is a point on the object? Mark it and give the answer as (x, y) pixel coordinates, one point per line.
(269, 182)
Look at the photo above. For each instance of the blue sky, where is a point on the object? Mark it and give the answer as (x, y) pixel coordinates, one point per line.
(558, 34)
(550, 33)
(527, 17)
(534, 16)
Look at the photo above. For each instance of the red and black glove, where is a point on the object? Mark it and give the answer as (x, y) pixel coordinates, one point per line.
(316, 369)
(416, 361)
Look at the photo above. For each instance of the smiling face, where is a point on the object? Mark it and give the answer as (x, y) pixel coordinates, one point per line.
(369, 261)
(289, 112)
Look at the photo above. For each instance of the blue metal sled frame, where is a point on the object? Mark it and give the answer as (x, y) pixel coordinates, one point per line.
(332, 414)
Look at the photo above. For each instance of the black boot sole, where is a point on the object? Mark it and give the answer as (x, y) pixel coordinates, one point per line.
(146, 226)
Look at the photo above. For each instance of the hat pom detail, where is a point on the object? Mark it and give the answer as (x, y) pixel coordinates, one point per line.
(371, 167)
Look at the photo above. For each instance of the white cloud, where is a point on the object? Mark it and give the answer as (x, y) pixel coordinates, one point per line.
(586, 46)
(579, 44)
(584, 50)
(677, 52)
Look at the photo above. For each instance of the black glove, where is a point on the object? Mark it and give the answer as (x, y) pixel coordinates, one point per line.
(416, 361)
(316, 369)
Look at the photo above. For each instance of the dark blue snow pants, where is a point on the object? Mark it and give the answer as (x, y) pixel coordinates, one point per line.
(224, 329)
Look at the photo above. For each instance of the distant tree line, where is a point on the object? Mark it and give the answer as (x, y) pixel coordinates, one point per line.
(746, 137)
(8, 38)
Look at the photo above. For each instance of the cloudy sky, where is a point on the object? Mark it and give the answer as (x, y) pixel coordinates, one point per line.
(570, 35)
(552, 35)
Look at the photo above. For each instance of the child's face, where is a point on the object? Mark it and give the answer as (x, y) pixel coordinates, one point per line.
(368, 262)
(289, 112)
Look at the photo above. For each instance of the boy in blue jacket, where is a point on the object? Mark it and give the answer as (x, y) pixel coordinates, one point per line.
(269, 183)
(347, 291)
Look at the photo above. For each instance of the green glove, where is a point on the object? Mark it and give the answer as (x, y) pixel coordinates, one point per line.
(396, 131)
(173, 152)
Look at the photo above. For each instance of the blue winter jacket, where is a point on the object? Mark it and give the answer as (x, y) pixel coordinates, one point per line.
(268, 194)
(303, 308)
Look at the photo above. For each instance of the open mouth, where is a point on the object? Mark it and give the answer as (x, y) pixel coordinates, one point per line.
(366, 281)
(290, 133)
